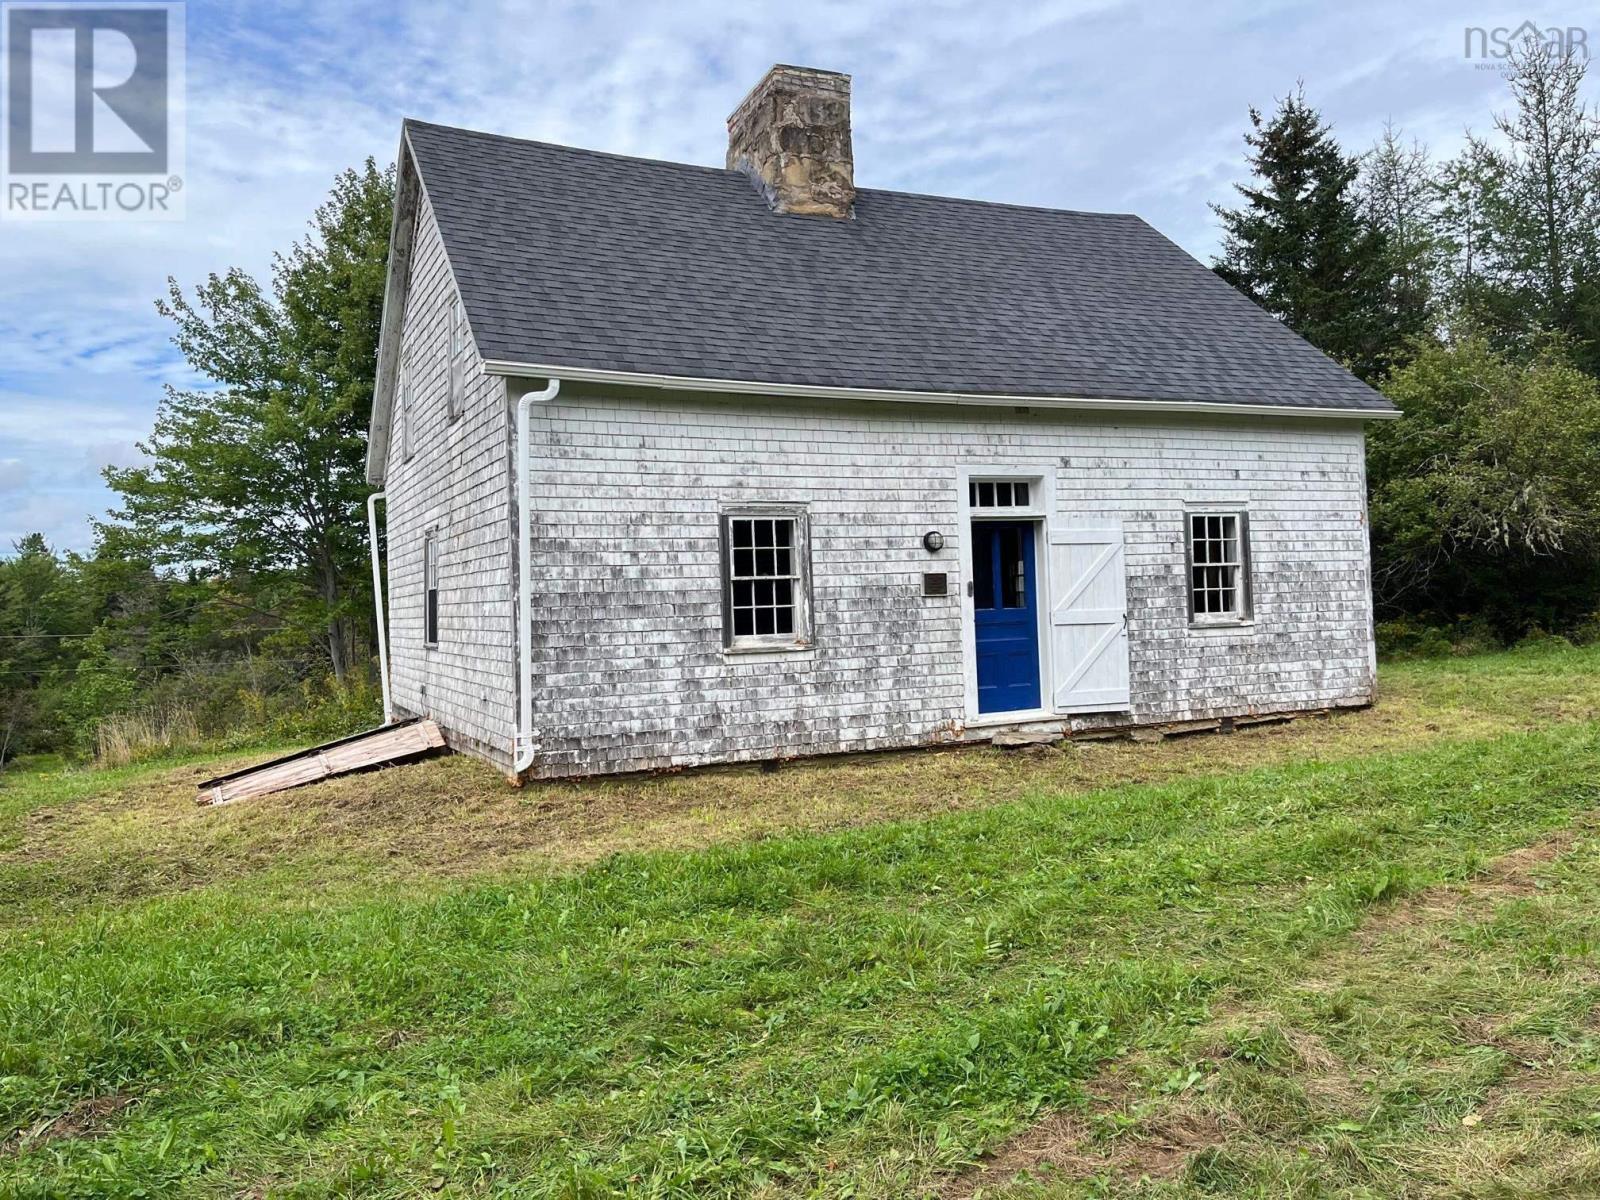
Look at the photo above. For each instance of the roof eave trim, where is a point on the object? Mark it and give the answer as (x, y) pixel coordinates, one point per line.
(819, 392)
(397, 275)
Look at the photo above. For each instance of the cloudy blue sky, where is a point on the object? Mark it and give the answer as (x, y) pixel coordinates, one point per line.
(1093, 104)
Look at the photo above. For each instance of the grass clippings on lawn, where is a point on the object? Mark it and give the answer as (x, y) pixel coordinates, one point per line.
(1443, 1051)
(80, 838)
(349, 991)
(85, 1118)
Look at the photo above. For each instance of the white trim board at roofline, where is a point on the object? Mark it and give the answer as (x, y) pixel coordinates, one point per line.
(817, 392)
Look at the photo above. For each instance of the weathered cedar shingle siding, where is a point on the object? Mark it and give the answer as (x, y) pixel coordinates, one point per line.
(458, 481)
(630, 671)
(603, 267)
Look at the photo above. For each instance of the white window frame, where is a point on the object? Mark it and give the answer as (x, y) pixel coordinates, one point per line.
(1243, 611)
(430, 588)
(1002, 491)
(800, 577)
(406, 414)
(455, 352)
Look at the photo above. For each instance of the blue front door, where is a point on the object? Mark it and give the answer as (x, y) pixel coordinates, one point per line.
(1006, 618)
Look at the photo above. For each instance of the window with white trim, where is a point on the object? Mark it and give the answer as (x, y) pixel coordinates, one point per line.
(430, 588)
(404, 419)
(456, 349)
(766, 579)
(997, 493)
(1219, 575)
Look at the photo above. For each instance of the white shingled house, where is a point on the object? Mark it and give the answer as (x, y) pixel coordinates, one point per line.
(688, 465)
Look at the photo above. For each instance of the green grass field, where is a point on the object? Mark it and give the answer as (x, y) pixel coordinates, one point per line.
(1353, 957)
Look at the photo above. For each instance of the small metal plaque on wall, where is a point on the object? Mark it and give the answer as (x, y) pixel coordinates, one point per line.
(935, 583)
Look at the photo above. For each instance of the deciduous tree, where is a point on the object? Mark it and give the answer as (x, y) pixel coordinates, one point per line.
(257, 475)
(1486, 496)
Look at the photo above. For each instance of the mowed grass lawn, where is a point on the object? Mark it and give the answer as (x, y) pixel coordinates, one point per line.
(1354, 957)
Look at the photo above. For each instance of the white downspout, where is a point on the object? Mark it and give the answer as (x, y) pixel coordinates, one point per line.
(377, 603)
(523, 753)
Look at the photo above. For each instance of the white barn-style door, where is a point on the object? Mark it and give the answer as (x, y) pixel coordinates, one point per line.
(1088, 620)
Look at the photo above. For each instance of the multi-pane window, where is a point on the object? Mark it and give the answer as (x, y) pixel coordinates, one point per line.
(997, 493)
(430, 589)
(765, 579)
(404, 419)
(457, 349)
(1219, 584)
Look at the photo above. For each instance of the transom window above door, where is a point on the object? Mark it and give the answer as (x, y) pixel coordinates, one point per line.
(998, 493)
(766, 579)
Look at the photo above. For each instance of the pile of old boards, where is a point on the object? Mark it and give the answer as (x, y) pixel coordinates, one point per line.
(376, 747)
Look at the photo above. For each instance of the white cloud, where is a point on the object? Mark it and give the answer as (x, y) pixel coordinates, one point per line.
(14, 473)
(58, 425)
(58, 514)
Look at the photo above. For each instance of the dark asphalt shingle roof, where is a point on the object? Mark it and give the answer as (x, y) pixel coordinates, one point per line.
(581, 259)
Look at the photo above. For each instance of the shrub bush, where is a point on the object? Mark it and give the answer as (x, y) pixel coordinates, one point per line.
(1407, 637)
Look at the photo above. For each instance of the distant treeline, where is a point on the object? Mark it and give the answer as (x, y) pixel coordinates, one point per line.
(228, 594)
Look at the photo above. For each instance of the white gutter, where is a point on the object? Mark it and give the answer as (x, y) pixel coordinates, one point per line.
(522, 754)
(377, 603)
(814, 392)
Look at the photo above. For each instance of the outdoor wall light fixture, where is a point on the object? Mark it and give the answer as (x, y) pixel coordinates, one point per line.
(933, 541)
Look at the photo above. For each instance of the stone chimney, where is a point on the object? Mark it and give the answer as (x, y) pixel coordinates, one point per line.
(791, 136)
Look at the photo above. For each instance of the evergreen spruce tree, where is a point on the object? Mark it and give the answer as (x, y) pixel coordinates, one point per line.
(1545, 211)
(1467, 195)
(1400, 199)
(1300, 247)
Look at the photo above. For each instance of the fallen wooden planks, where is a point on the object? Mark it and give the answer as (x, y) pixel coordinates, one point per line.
(405, 739)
